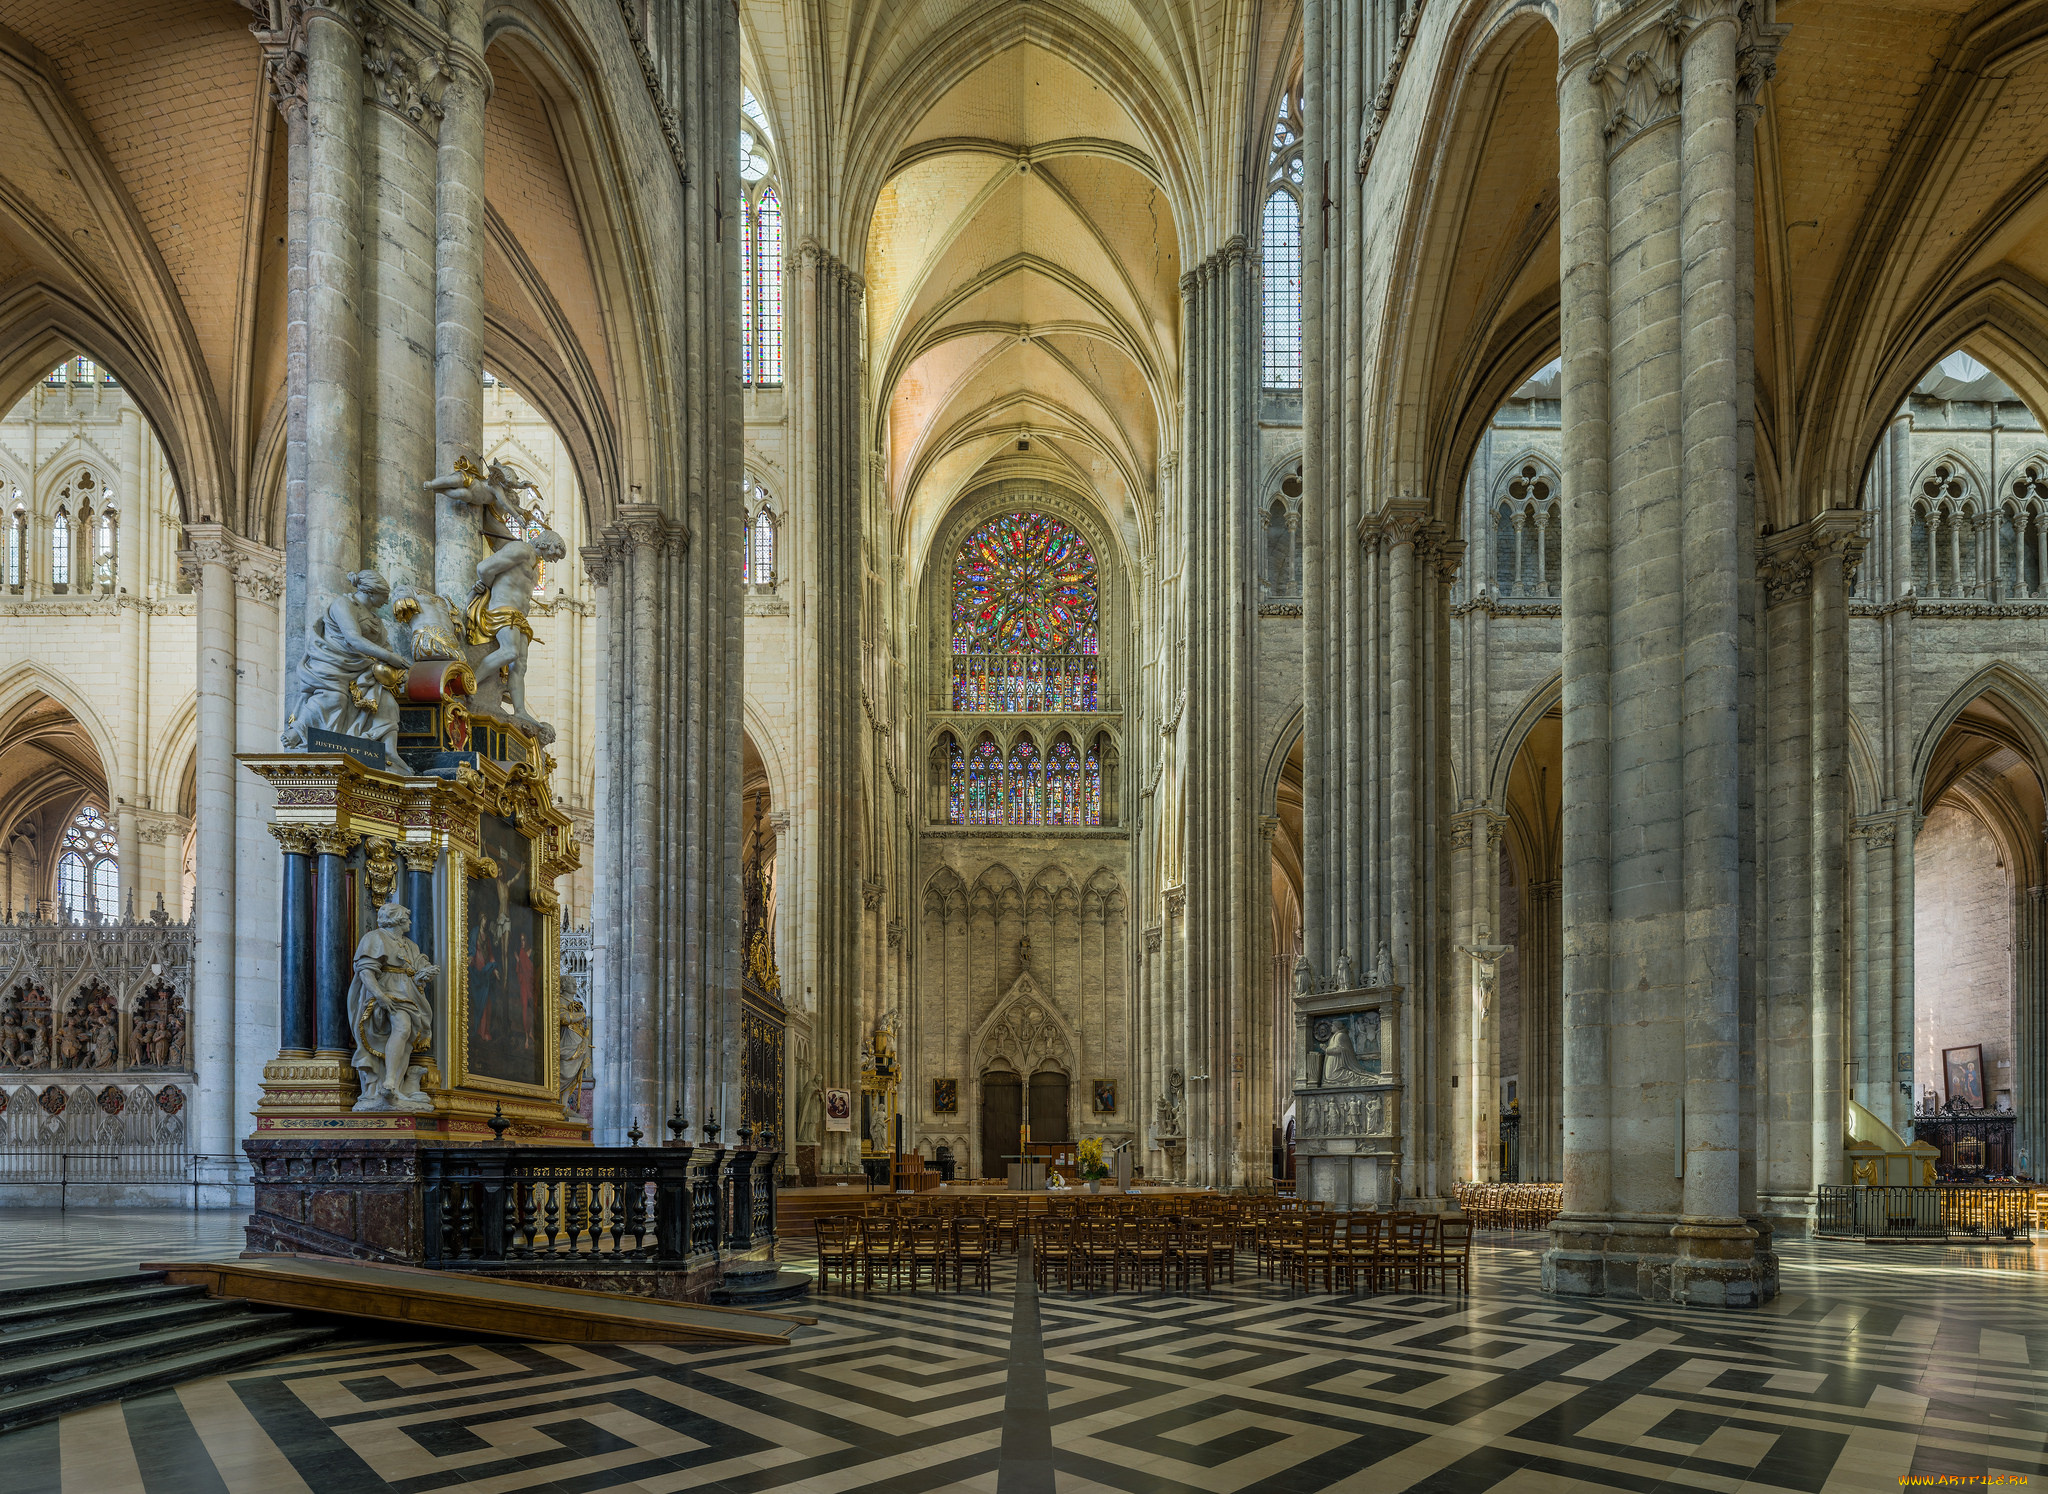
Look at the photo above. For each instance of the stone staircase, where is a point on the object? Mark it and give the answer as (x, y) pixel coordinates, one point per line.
(79, 1343)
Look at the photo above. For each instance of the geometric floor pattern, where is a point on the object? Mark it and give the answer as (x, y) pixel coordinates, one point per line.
(1874, 1367)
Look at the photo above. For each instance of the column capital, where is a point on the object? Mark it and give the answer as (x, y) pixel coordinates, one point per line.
(295, 840)
(332, 840)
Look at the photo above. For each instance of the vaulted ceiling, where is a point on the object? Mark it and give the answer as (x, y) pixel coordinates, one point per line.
(1023, 298)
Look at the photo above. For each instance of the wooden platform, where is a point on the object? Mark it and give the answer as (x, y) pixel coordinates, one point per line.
(408, 1295)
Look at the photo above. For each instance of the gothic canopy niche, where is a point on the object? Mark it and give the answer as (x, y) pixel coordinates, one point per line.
(1027, 1033)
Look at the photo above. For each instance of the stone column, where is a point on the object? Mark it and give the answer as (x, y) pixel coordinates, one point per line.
(129, 781)
(285, 69)
(332, 53)
(398, 305)
(259, 586)
(1837, 543)
(665, 987)
(2030, 1003)
(210, 556)
(1655, 629)
(1226, 1141)
(824, 385)
(458, 291)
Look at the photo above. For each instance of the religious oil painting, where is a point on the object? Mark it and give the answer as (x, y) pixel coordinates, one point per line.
(1105, 1097)
(1965, 1067)
(505, 949)
(946, 1096)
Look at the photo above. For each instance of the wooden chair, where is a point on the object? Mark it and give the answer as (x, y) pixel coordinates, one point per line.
(1096, 1257)
(1452, 1253)
(1319, 1249)
(1144, 1246)
(927, 1245)
(1002, 1218)
(1289, 1243)
(1053, 1250)
(973, 1246)
(1219, 1238)
(1406, 1236)
(1359, 1245)
(881, 1240)
(838, 1248)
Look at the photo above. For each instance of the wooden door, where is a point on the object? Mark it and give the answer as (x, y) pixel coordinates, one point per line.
(1002, 1116)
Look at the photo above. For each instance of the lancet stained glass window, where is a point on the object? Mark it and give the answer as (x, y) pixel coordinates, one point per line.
(1061, 786)
(1025, 615)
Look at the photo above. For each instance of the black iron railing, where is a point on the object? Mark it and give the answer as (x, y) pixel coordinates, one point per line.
(1938, 1213)
(659, 1208)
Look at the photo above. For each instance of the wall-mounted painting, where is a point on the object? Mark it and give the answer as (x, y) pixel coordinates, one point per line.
(506, 958)
(946, 1096)
(1105, 1097)
(1965, 1069)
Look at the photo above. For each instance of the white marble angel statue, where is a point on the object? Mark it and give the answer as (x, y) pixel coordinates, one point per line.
(391, 1014)
(349, 676)
(497, 612)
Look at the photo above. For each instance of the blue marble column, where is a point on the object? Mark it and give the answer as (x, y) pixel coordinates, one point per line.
(333, 959)
(295, 952)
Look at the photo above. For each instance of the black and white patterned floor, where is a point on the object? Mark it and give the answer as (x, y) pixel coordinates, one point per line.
(1875, 1366)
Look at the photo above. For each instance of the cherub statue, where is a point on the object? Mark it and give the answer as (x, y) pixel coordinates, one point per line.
(391, 1014)
(497, 610)
(488, 489)
(349, 677)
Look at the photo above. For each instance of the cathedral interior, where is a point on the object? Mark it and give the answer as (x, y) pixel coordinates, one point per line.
(666, 648)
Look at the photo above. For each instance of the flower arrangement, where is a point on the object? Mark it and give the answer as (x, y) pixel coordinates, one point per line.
(1089, 1155)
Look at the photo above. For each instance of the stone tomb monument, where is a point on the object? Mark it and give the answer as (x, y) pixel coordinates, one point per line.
(1347, 1088)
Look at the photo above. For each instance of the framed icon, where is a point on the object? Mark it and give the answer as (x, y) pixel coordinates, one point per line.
(839, 1110)
(1965, 1070)
(1105, 1097)
(946, 1096)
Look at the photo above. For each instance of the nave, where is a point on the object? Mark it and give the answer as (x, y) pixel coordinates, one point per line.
(1866, 1369)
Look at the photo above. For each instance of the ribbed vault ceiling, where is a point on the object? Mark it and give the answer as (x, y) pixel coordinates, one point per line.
(1023, 278)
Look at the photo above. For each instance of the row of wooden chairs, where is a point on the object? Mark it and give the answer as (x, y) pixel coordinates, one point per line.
(1089, 1249)
(919, 1246)
(1509, 1205)
(1368, 1251)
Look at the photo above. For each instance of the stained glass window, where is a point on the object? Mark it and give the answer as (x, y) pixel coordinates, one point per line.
(1024, 618)
(1024, 796)
(768, 283)
(746, 294)
(985, 784)
(1063, 805)
(1282, 229)
(17, 543)
(956, 787)
(60, 549)
(1093, 808)
(88, 872)
(1280, 256)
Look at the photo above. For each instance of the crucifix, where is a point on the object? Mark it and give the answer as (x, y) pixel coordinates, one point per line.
(1327, 204)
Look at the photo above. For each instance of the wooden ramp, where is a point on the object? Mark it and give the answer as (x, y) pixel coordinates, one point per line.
(474, 1304)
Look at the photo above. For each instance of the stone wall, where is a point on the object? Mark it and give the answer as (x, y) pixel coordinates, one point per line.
(1962, 950)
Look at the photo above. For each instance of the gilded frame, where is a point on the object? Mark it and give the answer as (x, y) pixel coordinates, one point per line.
(548, 957)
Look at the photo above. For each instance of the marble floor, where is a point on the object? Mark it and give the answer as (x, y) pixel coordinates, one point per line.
(1876, 1369)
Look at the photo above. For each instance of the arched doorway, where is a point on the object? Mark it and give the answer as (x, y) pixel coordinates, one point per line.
(1531, 974)
(1978, 937)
